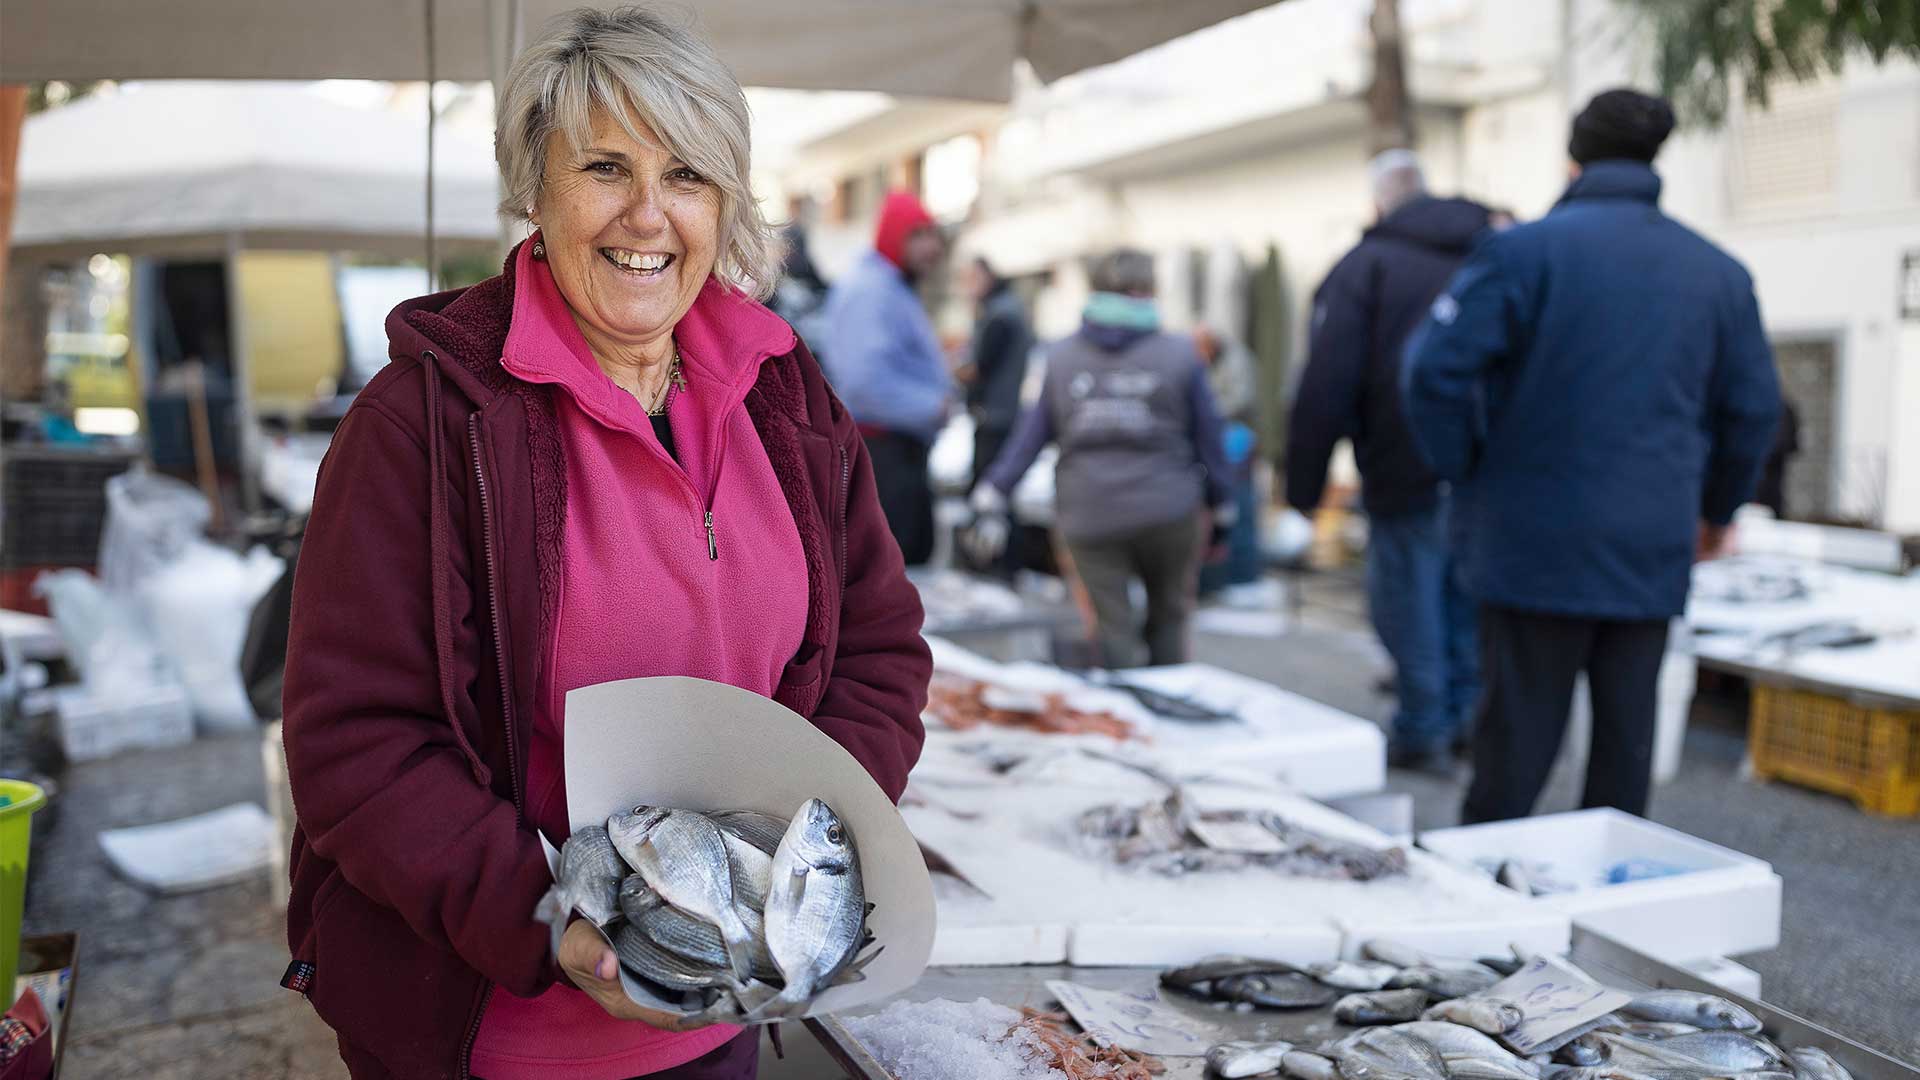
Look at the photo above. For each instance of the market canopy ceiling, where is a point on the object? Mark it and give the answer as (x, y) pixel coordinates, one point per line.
(929, 48)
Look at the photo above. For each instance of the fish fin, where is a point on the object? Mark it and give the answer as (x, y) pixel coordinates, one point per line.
(553, 910)
(870, 906)
(859, 965)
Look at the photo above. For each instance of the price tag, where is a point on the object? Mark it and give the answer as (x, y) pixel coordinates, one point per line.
(1135, 1021)
(1559, 1001)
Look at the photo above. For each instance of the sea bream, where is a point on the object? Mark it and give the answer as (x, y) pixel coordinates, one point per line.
(1245, 1058)
(683, 856)
(588, 881)
(816, 907)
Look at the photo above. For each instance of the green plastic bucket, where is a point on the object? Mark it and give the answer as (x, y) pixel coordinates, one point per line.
(21, 799)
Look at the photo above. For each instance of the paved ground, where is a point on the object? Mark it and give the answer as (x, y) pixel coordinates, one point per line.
(187, 986)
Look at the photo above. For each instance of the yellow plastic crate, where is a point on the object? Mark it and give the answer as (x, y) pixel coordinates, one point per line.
(1870, 755)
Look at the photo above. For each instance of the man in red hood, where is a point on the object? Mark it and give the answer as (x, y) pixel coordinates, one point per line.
(887, 365)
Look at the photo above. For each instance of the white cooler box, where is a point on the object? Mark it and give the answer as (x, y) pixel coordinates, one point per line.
(1720, 903)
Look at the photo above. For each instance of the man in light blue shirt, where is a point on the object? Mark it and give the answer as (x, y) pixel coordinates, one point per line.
(887, 366)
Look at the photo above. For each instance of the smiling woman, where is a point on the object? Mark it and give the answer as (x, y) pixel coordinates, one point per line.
(608, 462)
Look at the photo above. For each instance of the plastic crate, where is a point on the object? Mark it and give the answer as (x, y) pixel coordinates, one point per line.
(1870, 755)
(91, 729)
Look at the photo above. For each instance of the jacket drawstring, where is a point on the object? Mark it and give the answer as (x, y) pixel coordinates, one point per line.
(441, 560)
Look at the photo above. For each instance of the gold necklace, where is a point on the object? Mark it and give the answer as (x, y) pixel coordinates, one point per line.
(675, 383)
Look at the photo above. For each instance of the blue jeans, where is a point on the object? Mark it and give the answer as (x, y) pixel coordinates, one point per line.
(1427, 623)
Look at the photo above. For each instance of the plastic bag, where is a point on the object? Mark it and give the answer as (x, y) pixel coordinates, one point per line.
(106, 638)
(197, 606)
(151, 519)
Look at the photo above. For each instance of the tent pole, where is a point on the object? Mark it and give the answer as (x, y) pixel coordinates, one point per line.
(433, 247)
(240, 363)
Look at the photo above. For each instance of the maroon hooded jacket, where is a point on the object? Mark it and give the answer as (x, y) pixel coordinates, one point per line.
(423, 600)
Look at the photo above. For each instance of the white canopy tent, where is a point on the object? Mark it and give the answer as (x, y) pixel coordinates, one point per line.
(924, 48)
(181, 167)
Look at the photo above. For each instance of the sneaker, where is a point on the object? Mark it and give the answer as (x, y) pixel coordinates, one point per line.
(1431, 760)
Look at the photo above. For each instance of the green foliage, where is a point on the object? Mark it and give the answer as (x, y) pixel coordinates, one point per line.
(1703, 48)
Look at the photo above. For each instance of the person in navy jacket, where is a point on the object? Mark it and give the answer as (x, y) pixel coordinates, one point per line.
(1598, 387)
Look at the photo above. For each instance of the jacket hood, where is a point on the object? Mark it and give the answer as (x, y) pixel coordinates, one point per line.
(464, 329)
(1441, 224)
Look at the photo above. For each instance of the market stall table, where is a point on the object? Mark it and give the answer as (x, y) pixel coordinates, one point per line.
(1605, 960)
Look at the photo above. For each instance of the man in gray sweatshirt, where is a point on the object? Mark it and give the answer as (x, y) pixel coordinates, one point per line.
(1141, 455)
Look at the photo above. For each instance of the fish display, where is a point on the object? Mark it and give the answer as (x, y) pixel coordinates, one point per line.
(1165, 837)
(1431, 1018)
(734, 915)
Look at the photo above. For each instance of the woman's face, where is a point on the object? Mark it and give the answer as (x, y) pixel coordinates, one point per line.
(631, 233)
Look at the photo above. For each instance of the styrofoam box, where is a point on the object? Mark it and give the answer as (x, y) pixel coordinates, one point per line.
(1727, 975)
(1726, 903)
(91, 729)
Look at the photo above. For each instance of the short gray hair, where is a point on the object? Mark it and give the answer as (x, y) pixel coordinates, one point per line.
(640, 67)
(1397, 179)
(1125, 270)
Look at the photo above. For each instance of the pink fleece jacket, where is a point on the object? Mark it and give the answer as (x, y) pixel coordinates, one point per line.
(645, 594)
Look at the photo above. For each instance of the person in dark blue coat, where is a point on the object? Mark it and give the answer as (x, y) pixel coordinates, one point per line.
(1599, 387)
(1372, 299)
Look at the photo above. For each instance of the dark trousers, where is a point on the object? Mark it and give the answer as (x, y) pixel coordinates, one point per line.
(906, 493)
(1426, 621)
(1528, 664)
(1166, 559)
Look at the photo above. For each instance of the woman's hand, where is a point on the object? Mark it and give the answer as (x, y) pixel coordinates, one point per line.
(587, 960)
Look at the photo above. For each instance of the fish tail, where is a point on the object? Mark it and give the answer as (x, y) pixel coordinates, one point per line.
(739, 944)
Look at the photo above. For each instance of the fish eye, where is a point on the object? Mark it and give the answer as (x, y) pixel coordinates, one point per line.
(835, 834)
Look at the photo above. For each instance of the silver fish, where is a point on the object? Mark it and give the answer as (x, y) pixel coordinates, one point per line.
(1199, 977)
(1274, 991)
(761, 830)
(1452, 1040)
(1463, 1068)
(1586, 1052)
(1388, 1054)
(816, 907)
(1811, 1063)
(1510, 1063)
(1687, 1007)
(1354, 975)
(1591, 1072)
(1243, 1058)
(1452, 981)
(684, 857)
(752, 873)
(1643, 1029)
(1727, 1050)
(1489, 1015)
(588, 882)
(1306, 1065)
(684, 935)
(657, 965)
(1381, 1007)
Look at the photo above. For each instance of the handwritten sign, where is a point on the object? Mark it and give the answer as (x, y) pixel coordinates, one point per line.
(1135, 1021)
(1559, 1001)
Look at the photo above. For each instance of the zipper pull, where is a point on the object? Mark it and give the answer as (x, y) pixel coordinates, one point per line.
(713, 549)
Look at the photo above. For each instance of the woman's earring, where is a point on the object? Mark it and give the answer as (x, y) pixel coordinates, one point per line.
(539, 249)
